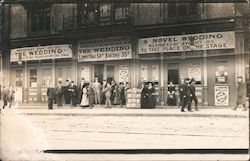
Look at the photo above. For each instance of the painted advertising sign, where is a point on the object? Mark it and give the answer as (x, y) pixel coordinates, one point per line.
(113, 48)
(85, 73)
(123, 73)
(192, 42)
(194, 71)
(221, 95)
(40, 53)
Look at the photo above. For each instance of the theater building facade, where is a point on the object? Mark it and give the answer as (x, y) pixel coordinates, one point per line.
(136, 46)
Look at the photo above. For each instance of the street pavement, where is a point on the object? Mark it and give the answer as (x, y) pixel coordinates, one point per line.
(25, 133)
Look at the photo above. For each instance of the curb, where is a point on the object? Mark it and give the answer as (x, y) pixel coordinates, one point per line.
(137, 114)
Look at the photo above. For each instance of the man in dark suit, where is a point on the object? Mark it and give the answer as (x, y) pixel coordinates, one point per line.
(180, 88)
(66, 93)
(50, 94)
(193, 94)
(186, 96)
(79, 91)
(73, 93)
(59, 94)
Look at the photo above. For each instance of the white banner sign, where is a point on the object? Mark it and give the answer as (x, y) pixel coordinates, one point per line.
(113, 48)
(194, 71)
(123, 73)
(85, 73)
(41, 53)
(179, 43)
(221, 95)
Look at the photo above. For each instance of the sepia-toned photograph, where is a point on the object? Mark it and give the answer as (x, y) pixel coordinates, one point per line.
(125, 80)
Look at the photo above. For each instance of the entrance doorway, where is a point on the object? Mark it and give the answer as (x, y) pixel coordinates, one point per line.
(173, 75)
(98, 71)
(110, 73)
(63, 73)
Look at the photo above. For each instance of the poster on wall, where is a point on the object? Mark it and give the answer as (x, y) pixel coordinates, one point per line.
(123, 73)
(144, 73)
(85, 73)
(194, 71)
(155, 73)
(221, 95)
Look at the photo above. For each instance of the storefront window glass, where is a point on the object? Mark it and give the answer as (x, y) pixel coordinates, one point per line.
(68, 73)
(221, 73)
(59, 74)
(19, 78)
(46, 76)
(33, 78)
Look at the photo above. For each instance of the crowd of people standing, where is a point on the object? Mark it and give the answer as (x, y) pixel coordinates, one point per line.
(187, 94)
(87, 94)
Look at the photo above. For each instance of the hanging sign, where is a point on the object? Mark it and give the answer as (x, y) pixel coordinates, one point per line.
(179, 43)
(123, 73)
(221, 95)
(40, 53)
(113, 48)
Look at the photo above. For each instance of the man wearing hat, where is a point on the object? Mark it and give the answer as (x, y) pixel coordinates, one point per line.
(193, 95)
(240, 94)
(180, 88)
(186, 96)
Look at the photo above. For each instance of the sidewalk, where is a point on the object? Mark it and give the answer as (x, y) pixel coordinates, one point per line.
(41, 109)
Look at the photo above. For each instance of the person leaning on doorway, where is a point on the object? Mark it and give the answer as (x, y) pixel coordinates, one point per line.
(240, 94)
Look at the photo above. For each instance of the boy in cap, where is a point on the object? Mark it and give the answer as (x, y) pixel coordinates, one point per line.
(193, 95)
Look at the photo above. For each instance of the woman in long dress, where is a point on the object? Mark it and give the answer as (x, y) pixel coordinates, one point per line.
(151, 96)
(144, 96)
(85, 99)
(171, 99)
(116, 95)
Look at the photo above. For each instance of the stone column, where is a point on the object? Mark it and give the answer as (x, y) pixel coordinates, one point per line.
(26, 80)
(205, 94)
(162, 78)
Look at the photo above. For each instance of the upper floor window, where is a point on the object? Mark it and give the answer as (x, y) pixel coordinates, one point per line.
(105, 13)
(40, 19)
(182, 9)
(122, 11)
(88, 13)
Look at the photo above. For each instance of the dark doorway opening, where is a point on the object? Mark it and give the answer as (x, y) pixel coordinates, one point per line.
(98, 72)
(173, 75)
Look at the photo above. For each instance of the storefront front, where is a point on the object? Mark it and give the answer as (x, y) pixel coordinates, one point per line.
(106, 58)
(33, 68)
(206, 57)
